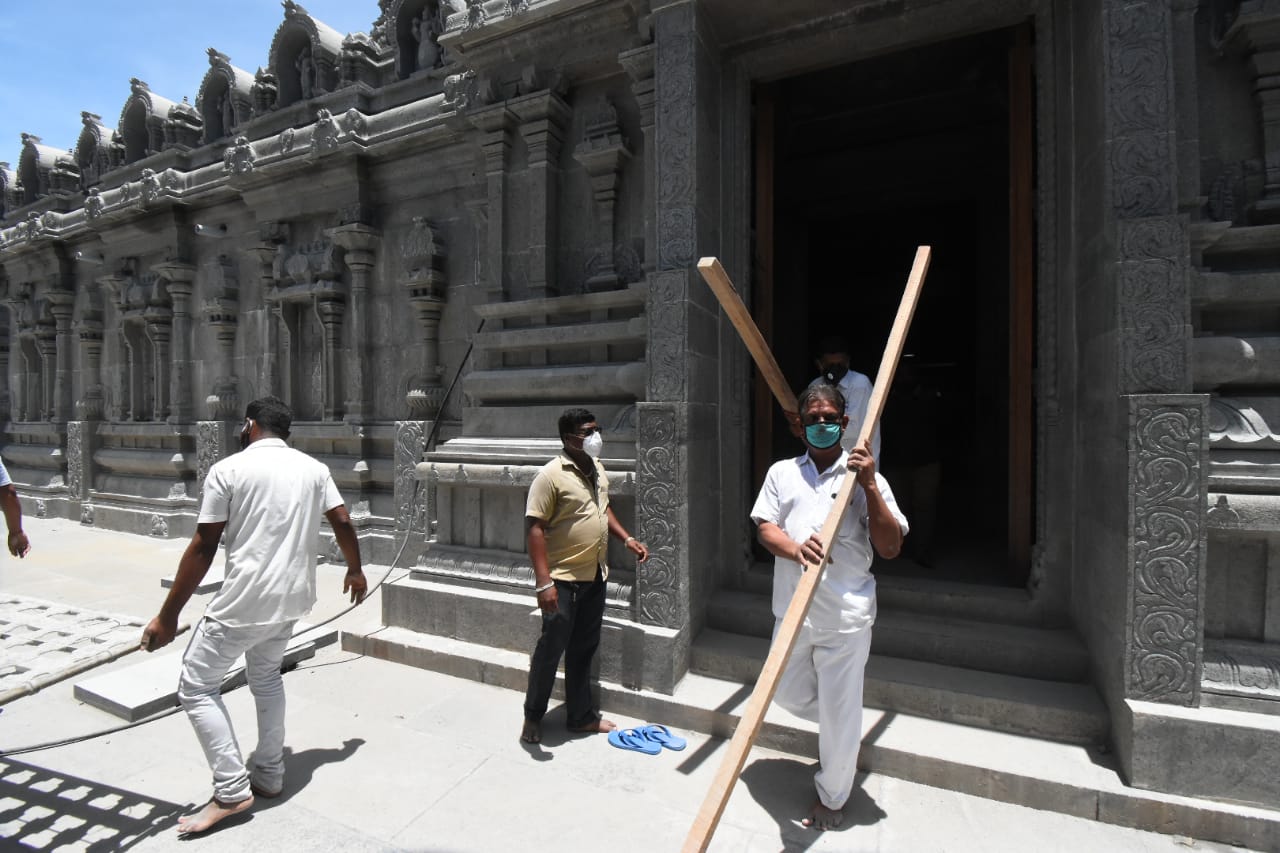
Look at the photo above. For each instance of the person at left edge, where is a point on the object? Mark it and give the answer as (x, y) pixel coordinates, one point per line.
(19, 545)
(268, 498)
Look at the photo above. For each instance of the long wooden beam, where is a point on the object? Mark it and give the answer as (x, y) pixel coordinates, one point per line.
(723, 288)
(704, 825)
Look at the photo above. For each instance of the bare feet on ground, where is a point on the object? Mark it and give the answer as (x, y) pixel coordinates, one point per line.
(600, 726)
(532, 732)
(824, 818)
(212, 812)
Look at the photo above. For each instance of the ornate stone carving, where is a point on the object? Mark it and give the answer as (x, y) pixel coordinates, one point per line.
(1154, 304)
(264, 91)
(515, 7)
(1139, 118)
(75, 459)
(602, 152)
(475, 14)
(324, 134)
(460, 91)
(94, 204)
(159, 527)
(211, 446)
(675, 138)
(42, 508)
(286, 140)
(355, 123)
(1166, 548)
(238, 159)
(1240, 669)
(660, 514)
(423, 254)
(86, 514)
(411, 502)
(426, 29)
(667, 321)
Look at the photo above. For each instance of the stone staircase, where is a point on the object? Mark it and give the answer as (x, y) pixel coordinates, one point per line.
(1000, 675)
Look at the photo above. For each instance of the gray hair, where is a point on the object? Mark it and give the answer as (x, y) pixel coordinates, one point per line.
(821, 391)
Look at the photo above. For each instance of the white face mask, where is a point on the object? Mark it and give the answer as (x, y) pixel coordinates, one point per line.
(593, 444)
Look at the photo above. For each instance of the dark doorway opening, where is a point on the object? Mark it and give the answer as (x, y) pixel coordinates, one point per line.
(861, 164)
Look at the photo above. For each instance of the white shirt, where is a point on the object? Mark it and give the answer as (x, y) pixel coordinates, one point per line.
(797, 497)
(4, 475)
(271, 497)
(856, 389)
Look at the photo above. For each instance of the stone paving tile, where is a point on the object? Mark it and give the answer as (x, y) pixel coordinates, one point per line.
(42, 642)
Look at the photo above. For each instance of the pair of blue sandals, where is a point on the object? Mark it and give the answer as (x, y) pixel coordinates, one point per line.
(648, 739)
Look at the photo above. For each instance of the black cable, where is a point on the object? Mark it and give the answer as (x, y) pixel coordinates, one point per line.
(160, 715)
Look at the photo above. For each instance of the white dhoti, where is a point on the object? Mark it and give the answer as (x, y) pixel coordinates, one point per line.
(822, 683)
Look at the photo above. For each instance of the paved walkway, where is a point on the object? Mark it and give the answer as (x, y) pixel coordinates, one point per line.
(387, 757)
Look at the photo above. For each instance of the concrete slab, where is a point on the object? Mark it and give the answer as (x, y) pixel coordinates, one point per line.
(211, 582)
(151, 685)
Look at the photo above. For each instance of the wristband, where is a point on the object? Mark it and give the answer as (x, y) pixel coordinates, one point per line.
(628, 539)
(546, 586)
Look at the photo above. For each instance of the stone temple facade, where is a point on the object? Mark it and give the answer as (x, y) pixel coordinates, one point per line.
(518, 192)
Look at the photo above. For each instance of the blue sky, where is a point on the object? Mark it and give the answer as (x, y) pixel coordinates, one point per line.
(66, 56)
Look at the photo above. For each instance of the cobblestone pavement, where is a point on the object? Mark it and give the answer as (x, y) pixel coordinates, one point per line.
(42, 642)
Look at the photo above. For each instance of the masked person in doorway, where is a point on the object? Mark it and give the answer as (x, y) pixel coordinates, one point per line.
(268, 499)
(823, 678)
(568, 522)
(833, 367)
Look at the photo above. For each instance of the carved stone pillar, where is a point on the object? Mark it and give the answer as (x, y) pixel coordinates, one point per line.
(662, 514)
(639, 67)
(221, 309)
(47, 347)
(602, 153)
(361, 243)
(543, 117)
(1168, 458)
(1256, 31)
(495, 123)
(213, 442)
(89, 406)
(331, 312)
(181, 283)
(273, 234)
(423, 254)
(61, 307)
(81, 443)
(159, 331)
(411, 513)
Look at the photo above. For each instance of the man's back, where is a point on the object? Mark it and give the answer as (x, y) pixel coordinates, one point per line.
(272, 498)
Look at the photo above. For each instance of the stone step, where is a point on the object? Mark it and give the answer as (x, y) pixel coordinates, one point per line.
(151, 685)
(1043, 653)
(1009, 605)
(1072, 713)
(1011, 768)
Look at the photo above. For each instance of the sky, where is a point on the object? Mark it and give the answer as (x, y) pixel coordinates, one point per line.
(62, 57)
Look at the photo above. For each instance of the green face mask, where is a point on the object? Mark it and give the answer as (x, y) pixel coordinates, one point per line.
(822, 436)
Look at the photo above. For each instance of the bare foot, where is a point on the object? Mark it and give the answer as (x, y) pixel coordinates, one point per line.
(213, 811)
(823, 818)
(599, 726)
(532, 732)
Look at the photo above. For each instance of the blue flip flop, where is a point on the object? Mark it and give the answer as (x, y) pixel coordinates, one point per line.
(662, 736)
(632, 740)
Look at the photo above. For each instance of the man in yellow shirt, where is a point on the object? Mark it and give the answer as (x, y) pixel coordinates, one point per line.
(568, 521)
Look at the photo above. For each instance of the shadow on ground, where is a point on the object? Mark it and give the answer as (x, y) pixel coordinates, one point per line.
(44, 810)
(784, 788)
(300, 767)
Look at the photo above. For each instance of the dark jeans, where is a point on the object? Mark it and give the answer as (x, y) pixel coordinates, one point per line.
(573, 631)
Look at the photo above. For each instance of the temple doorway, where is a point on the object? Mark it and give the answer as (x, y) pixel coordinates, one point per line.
(857, 165)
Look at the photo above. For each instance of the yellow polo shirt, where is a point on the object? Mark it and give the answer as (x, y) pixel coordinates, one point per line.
(576, 516)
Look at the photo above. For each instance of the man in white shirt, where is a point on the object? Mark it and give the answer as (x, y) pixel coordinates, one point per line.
(268, 498)
(823, 678)
(833, 369)
(19, 545)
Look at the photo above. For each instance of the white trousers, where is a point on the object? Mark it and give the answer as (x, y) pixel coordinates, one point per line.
(214, 647)
(822, 683)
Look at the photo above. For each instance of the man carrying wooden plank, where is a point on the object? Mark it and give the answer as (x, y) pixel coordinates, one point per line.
(823, 678)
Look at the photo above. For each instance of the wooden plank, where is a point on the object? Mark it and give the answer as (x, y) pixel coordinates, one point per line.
(708, 817)
(738, 314)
